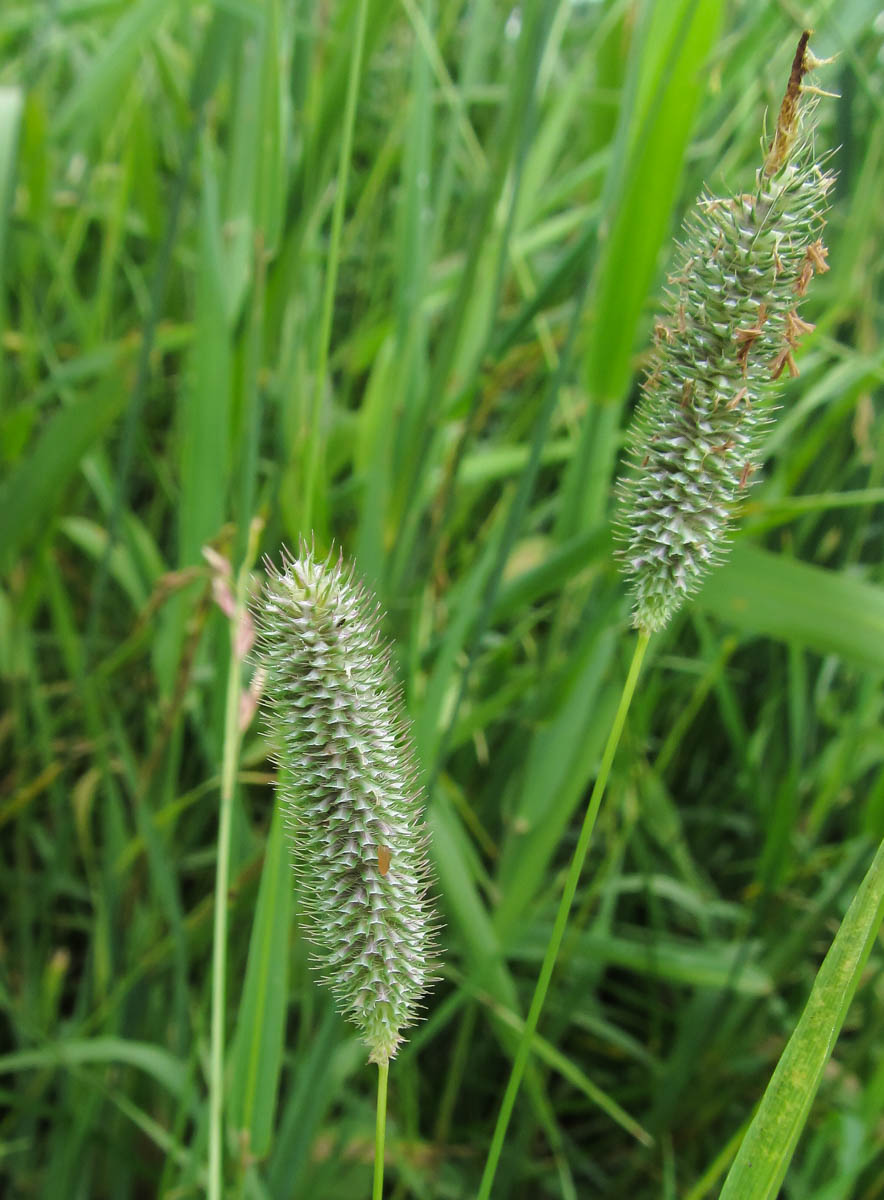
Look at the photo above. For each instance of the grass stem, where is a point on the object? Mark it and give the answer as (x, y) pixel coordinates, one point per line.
(549, 961)
(232, 739)
(377, 1190)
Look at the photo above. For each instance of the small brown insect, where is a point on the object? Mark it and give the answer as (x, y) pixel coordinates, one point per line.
(385, 855)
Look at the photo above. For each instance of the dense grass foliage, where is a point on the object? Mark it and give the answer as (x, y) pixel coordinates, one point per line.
(423, 343)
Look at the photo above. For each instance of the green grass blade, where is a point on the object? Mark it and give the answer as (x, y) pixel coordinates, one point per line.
(559, 767)
(767, 1149)
(204, 408)
(667, 72)
(463, 903)
(153, 1060)
(97, 92)
(11, 102)
(33, 492)
(712, 965)
(258, 1045)
(372, 462)
(578, 1078)
(324, 1064)
(828, 611)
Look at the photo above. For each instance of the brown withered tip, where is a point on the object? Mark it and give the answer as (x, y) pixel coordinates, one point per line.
(787, 120)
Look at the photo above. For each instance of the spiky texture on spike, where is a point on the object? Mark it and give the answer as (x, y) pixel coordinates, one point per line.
(349, 788)
(731, 328)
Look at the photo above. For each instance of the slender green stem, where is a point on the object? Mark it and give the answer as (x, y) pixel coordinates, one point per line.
(219, 958)
(334, 254)
(232, 739)
(380, 1129)
(524, 1048)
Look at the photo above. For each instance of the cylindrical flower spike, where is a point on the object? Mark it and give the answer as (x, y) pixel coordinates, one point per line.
(350, 793)
(731, 328)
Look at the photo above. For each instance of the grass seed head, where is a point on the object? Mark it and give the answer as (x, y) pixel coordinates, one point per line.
(349, 786)
(731, 328)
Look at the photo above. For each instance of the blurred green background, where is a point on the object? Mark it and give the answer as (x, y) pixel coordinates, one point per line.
(435, 375)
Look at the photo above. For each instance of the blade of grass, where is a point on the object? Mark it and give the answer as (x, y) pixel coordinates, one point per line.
(204, 408)
(32, 493)
(472, 921)
(559, 766)
(770, 1141)
(666, 76)
(153, 1060)
(97, 92)
(256, 1054)
(324, 1065)
(11, 104)
(827, 611)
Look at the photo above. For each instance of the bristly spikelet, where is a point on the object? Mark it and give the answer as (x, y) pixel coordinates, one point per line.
(731, 328)
(350, 792)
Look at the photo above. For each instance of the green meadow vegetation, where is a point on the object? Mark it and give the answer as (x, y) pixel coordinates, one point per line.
(383, 277)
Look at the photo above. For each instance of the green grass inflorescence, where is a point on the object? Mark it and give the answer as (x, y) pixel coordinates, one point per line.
(350, 791)
(731, 327)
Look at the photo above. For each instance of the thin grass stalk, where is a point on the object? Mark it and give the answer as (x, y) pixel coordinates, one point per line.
(219, 956)
(523, 1049)
(230, 758)
(380, 1129)
(334, 256)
